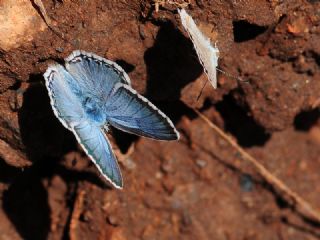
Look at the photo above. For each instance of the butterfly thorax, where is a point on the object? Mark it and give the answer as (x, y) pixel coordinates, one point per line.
(93, 111)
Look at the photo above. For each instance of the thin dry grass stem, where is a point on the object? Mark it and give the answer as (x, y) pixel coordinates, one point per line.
(43, 13)
(77, 209)
(268, 176)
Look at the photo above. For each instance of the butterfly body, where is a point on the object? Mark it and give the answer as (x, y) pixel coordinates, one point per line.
(94, 111)
(88, 94)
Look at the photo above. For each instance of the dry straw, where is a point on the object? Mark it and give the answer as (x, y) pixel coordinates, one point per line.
(298, 202)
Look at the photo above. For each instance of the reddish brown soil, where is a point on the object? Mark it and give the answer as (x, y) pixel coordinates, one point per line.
(195, 188)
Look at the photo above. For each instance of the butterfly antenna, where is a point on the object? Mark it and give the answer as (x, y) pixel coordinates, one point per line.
(201, 91)
(232, 76)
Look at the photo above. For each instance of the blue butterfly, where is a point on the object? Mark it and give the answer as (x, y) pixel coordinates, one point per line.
(88, 93)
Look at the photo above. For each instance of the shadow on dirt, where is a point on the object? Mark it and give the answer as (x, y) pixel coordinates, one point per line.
(305, 120)
(41, 132)
(46, 142)
(171, 64)
(8, 173)
(26, 204)
(242, 126)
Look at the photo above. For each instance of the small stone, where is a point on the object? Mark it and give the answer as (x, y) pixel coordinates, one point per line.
(129, 163)
(246, 183)
(13, 102)
(167, 166)
(159, 175)
(86, 216)
(186, 219)
(248, 202)
(269, 217)
(60, 49)
(141, 32)
(16, 100)
(111, 219)
(201, 163)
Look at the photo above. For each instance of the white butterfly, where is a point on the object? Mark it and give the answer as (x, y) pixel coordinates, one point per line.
(208, 55)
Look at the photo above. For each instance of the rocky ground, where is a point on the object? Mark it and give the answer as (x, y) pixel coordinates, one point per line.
(198, 187)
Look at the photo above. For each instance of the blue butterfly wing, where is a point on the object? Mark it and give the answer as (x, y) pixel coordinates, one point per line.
(64, 92)
(129, 111)
(65, 104)
(96, 145)
(94, 74)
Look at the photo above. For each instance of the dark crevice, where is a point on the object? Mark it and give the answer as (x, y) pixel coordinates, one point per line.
(26, 205)
(301, 227)
(127, 67)
(71, 201)
(240, 124)
(8, 173)
(313, 1)
(123, 139)
(305, 120)
(7, 77)
(26, 201)
(316, 57)
(175, 110)
(16, 86)
(52, 58)
(245, 31)
(35, 78)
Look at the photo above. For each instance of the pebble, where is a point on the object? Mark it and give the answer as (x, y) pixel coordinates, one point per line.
(60, 49)
(201, 163)
(246, 183)
(112, 220)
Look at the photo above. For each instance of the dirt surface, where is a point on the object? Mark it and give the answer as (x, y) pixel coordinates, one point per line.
(198, 187)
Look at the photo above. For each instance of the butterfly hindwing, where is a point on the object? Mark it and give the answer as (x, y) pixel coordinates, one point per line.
(65, 96)
(65, 104)
(98, 148)
(129, 111)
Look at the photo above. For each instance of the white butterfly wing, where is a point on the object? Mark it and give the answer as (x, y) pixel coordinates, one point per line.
(208, 55)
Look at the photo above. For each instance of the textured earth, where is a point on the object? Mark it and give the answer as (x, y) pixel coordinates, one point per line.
(198, 187)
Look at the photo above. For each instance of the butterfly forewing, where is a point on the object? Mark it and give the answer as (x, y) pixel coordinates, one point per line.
(208, 55)
(133, 113)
